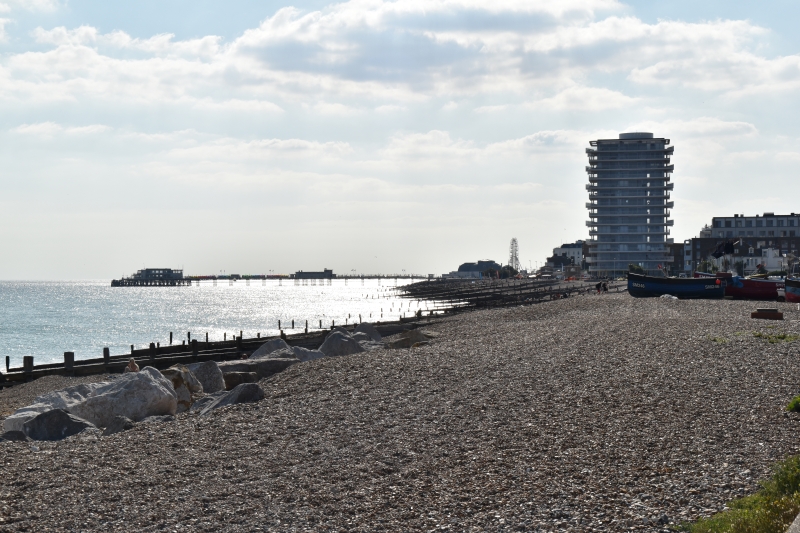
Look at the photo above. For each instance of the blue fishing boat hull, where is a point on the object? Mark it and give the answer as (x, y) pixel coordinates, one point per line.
(793, 290)
(685, 288)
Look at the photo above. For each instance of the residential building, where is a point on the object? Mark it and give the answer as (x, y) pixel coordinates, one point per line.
(765, 227)
(572, 251)
(629, 202)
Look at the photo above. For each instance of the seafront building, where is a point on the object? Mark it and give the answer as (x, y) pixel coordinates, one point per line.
(743, 243)
(629, 202)
(572, 253)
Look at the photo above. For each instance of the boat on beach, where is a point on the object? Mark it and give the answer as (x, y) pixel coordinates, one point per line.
(642, 286)
(751, 288)
(793, 290)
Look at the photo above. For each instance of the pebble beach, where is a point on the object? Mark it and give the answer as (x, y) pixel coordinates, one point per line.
(591, 413)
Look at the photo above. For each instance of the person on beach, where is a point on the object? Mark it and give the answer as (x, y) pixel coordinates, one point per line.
(599, 286)
(605, 286)
(132, 366)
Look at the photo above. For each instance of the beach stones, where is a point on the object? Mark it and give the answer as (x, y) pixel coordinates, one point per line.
(136, 395)
(185, 384)
(340, 343)
(263, 366)
(55, 424)
(244, 393)
(209, 375)
(117, 425)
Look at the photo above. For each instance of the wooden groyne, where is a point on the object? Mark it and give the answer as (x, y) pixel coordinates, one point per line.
(466, 293)
(162, 357)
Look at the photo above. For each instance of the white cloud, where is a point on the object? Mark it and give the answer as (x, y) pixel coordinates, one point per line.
(32, 5)
(50, 129)
(585, 98)
(698, 127)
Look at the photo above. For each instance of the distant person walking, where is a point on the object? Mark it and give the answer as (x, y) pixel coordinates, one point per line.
(599, 287)
(132, 366)
(605, 286)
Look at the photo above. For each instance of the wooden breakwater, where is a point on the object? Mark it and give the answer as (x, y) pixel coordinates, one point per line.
(467, 293)
(162, 357)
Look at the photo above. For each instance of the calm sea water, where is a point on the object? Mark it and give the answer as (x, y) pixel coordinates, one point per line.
(45, 319)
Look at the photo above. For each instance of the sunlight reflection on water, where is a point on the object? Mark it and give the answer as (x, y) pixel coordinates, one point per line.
(45, 319)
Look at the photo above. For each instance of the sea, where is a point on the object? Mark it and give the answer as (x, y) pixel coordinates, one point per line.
(47, 318)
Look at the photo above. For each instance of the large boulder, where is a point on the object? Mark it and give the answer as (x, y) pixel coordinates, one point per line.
(360, 336)
(304, 354)
(209, 375)
(408, 338)
(55, 424)
(369, 329)
(264, 366)
(245, 393)
(234, 379)
(283, 353)
(185, 385)
(14, 436)
(117, 425)
(337, 329)
(269, 347)
(135, 394)
(338, 343)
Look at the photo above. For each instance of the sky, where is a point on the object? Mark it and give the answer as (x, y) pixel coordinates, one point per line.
(370, 136)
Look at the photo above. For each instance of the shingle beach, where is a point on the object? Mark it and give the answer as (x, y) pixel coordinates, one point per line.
(593, 413)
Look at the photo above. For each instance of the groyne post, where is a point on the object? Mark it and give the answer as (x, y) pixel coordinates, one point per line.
(320, 324)
(195, 350)
(293, 323)
(8, 362)
(170, 338)
(106, 355)
(279, 324)
(131, 349)
(27, 364)
(152, 352)
(189, 336)
(69, 361)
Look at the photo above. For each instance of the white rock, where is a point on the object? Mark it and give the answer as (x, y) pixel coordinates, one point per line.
(209, 375)
(269, 347)
(369, 329)
(338, 344)
(304, 354)
(362, 337)
(340, 330)
(136, 395)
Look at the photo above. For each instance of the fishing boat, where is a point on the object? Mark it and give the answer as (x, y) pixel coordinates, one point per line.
(642, 286)
(793, 290)
(752, 288)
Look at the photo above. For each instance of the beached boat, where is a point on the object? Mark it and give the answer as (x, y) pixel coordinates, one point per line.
(793, 290)
(642, 286)
(753, 288)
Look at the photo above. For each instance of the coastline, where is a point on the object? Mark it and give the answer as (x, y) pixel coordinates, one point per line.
(602, 412)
